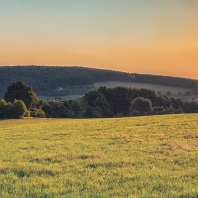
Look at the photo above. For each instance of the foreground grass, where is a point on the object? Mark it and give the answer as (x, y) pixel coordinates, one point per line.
(154, 156)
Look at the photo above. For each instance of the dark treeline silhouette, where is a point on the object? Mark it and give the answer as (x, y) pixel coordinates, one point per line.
(102, 103)
(45, 79)
(118, 102)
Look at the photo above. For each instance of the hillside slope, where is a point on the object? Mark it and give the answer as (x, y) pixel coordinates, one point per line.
(45, 80)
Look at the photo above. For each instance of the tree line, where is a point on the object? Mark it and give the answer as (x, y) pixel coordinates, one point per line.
(45, 79)
(20, 100)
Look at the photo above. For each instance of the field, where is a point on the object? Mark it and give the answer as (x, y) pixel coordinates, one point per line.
(154, 156)
(68, 97)
(163, 89)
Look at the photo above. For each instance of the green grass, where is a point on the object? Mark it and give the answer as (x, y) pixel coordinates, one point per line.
(154, 156)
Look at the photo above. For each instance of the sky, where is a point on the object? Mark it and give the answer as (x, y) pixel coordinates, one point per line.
(136, 36)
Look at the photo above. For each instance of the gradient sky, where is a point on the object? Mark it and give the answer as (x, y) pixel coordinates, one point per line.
(142, 36)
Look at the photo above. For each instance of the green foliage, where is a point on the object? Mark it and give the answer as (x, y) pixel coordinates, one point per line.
(151, 156)
(27, 113)
(159, 110)
(159, 92)
(2, 108)
(119, 98)
(54, 109)
(17, 109)
(96, 105)
(63, 109)
(141, 106)
(105, 102)
(191, 106)
(77, 107)
(37, 113)
(20, 91)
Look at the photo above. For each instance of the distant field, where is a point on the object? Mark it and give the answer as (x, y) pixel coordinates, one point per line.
(163, 89)
(68, 97)
(154, 156)
(174, 90)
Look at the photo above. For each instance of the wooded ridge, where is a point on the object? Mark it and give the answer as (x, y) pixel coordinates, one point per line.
(45, 79)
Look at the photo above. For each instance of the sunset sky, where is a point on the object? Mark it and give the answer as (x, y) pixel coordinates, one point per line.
(142, 36)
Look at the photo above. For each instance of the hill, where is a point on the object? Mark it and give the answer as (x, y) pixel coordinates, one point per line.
(61, 81)
(153, 156)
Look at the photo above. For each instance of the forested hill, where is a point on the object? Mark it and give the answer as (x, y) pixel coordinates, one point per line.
(45, 78)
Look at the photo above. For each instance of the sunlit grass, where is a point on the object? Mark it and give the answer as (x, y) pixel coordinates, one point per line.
(154, 156)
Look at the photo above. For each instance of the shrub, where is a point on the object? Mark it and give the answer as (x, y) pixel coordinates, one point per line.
(16, 109)
(27, 113)
(37, 113)
(159, 110)
(2, 108)
(19, 109)
(141, 106)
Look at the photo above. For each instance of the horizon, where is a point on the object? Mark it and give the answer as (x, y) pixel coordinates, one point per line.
(158, 38)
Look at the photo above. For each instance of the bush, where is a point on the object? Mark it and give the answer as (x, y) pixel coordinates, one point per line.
(159, 110)
(135, 112)
(142, 106)
(16, 109)
(2, 108)
(27, 113)
(37, 113)
(19, 109)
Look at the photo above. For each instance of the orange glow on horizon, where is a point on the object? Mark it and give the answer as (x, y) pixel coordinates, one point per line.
(173, 62)
(132, 36)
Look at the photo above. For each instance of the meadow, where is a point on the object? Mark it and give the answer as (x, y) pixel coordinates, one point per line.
(163, 89)
(149, 156)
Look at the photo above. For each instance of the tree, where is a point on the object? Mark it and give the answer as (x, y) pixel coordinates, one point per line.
(2, 108)
(58, 109)
(19, 109)
(20, 91)
(9, 110)
(168, 93)
(96, 105)
(159, 92)
(141, 106)
(188, 93)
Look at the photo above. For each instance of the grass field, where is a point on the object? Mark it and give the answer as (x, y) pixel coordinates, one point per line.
(155, 156)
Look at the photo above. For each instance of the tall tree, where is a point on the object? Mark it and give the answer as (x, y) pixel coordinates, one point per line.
(20, 91)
